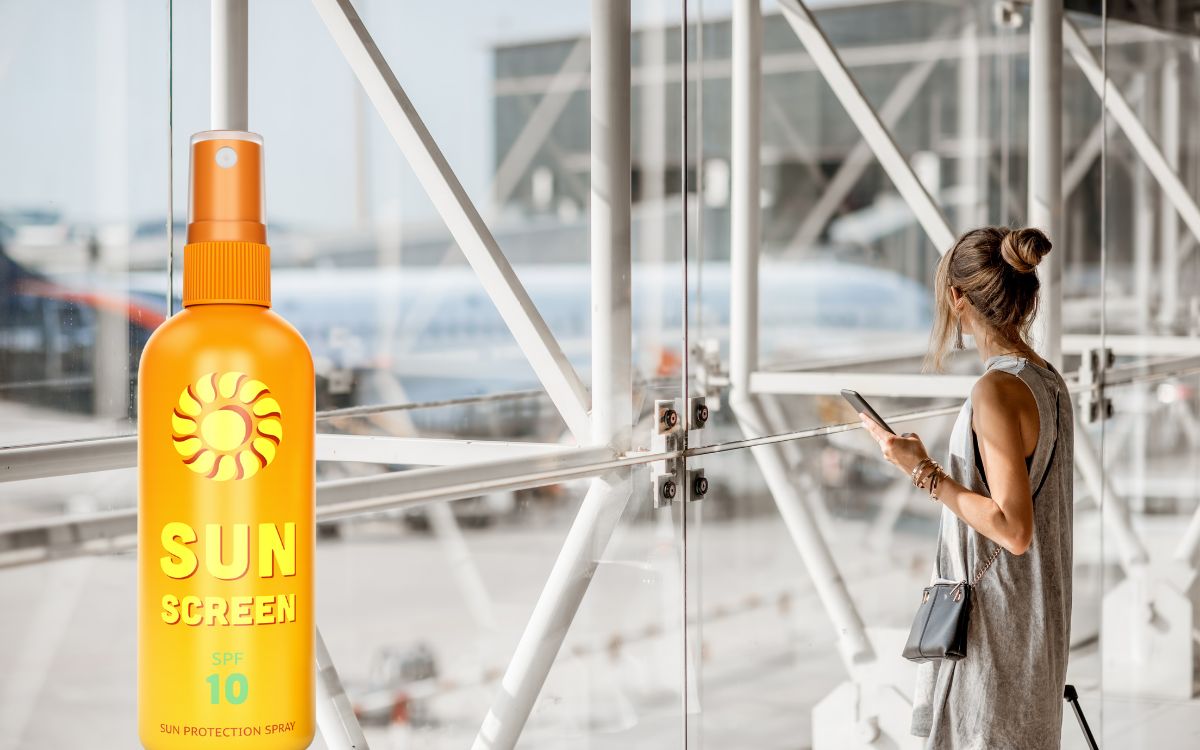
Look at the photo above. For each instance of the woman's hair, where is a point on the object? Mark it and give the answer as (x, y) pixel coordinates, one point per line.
(995, 269)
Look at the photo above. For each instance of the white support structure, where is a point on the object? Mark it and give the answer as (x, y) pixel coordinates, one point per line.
(105, 454)
(418, 451)
(833, 196)
(831, 67)
(612, 383)
(1125, 345)
(903, 385)
(1169, 270)
(1083, 159)
(744, 209)
(229, 65)
(1125, 118)
(872, 701)
(229, 36)
(571, 75)
(972, 150)
(1046, 168)
(533, 336)
(1130, 550)
(853, 643)
(335, 714)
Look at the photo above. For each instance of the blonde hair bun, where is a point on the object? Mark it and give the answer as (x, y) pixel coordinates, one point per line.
(1024, 248)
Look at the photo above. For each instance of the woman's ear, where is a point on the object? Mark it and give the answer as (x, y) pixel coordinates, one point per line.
(958, 300)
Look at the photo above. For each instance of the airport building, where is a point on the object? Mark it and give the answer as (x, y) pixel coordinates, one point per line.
(583, 282)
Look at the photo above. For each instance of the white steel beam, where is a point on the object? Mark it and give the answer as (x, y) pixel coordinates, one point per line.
(1046, 167)
(612, 383)
(744, 252)
(416, 451)
(972, 138)
(844, 87)
(745, 209)
(45, 538)
(1189, 544)
(1113, 509)
(611, 241)
(570, 76)
(336, 721)
(859, 158)
(105, 454)
(867, 383)
(1125, 118)
(229, 65)
(1083, 158)
(72, 457)
(545, 356)
(853, 644)
(1121, 344)
(1169, 268)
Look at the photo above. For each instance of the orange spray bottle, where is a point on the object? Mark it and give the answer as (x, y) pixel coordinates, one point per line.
(225, 486)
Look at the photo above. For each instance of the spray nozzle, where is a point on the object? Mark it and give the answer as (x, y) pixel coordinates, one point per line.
(227, 188)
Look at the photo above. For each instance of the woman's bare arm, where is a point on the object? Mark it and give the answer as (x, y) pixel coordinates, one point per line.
(1001, 403)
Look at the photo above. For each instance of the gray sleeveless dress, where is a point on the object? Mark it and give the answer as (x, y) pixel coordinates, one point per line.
(1007, 693)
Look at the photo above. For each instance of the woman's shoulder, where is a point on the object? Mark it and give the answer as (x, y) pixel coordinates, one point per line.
(1000, 390)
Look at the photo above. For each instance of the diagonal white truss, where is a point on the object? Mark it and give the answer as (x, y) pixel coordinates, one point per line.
(1127, 120)
(512, 464)
(859, 158)
(873, 131)
(533, 336)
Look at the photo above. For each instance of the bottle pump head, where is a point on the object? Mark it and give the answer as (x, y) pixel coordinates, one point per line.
(226, 196)
(226, 260)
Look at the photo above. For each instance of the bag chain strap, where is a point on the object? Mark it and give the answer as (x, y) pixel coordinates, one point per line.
(984, 569)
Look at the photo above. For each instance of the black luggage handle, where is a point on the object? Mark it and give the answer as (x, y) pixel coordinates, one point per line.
(1071, 696)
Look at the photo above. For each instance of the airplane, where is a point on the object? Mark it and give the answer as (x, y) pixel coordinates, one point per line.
(430, 333)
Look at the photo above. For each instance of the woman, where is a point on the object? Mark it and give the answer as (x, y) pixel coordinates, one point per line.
(1007, 497)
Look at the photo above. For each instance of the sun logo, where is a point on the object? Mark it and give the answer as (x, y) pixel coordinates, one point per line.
(227, 426)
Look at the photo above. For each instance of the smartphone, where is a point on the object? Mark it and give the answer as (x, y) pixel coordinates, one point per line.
(862, 407)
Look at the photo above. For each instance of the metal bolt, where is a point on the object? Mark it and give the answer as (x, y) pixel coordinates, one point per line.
(668, 490)
(669, 419)
(700, 486)
(701, 415)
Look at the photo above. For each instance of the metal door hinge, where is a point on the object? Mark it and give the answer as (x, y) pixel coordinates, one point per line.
(666, 437)
(1096, 406)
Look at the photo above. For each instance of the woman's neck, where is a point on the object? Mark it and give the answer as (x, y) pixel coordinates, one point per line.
(992, 344)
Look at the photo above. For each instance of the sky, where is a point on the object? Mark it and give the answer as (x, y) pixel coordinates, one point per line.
(84, 106)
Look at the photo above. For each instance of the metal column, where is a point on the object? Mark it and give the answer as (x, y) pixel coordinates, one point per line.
(336, 721)
(1046, 166)
(612, 382)
(744, 207)
(743, 338)
(230, 45)
(1169, 101)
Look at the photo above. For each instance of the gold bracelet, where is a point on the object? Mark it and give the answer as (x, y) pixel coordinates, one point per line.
(919, 469)
(926, 474)
(933, 483)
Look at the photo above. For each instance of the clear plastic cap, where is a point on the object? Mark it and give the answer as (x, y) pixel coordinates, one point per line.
(226, 197)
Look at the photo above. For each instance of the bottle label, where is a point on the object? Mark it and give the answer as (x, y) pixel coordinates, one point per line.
(227, 426)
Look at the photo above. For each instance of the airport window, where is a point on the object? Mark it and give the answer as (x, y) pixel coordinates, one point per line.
(583, 282)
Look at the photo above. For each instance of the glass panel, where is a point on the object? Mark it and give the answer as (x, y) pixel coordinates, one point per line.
(1150, 317)
(769, 653)
(421, 610)
(82, 213)
(845, 267)
(1148, 559)
(426, 653)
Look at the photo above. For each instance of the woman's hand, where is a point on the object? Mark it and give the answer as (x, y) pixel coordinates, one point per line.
(902, 451)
